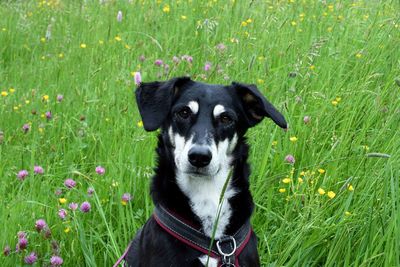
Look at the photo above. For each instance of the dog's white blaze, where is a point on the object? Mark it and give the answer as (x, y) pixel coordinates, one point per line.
(194, 106)
(218, 109)
(211, 262)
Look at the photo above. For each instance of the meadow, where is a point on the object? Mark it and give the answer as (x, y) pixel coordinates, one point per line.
(76, 163)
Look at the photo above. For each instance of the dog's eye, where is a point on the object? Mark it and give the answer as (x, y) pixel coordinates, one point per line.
(225, 119)
(184, 113)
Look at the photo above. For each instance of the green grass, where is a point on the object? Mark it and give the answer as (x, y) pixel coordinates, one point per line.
(339, 50)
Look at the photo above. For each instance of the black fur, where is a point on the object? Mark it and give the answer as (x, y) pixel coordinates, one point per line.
(152, 246)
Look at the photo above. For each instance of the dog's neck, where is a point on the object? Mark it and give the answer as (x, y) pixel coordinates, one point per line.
(165, 190)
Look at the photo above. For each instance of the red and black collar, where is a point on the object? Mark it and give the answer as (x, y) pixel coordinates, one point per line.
(225, 249)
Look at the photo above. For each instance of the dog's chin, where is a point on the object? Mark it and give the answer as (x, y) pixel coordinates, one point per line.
(200, 173)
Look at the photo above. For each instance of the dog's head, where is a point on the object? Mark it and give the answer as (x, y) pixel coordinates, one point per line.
(203, 121)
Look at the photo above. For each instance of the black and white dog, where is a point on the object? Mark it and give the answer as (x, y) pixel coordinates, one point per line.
(201, 142)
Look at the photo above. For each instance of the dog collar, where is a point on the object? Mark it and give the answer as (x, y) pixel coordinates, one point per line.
(225, 249)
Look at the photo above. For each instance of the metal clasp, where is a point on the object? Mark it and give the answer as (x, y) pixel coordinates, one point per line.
(226, 256)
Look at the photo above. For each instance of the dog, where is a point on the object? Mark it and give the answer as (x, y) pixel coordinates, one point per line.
(201, 144)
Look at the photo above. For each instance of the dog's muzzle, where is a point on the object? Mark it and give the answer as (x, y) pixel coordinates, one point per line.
(199, 156)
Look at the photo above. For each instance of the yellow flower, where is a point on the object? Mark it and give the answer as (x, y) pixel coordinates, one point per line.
(321, 171)
(45, 98)
(274, 143)
(302, 173)
(282, 190)
(61, 55)
(350, 187)
(331, 194)
(27, 102)
(338, 99)
(260, 81)
(43, 40)
(325, 14)
(43, 58)
(330, 29)
(300, 180)
(166, 8)
(321, 191)
(4, 93)
(286, 180)
(293, 139)
(358, 55)
(183, 17)
(67, 230)
(244, 24)
(83, 45)
(249, 21)
(114, 184)
(294, 23)
(140, 124)
(127, 46)
(123, 203)
(41, 130)
(61, 200)
(366, 17)
(334, 102)
(118, 38)
(11, 90)
(340, 17)
(347, 213)
(16, 108)
(365, 147)
(312, 67)
(101, 42)
(330, 7)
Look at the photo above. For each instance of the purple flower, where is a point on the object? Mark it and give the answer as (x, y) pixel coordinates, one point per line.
(60, 98)
(166, 67)
(119, 16)
(142, 58)
(188, 59)
(47, 232)
(176, 60)
(138, 78)
(21, 234)
(290, 159)
(126, 197)
(38, 169)
(69, 183)
(40, 224)
(220, 47)
(90, 191)
(100, 170)
(22, 174)
(306, 119)
(6, 250)
(85, 207)
(158, 62)
(73, 206)
(26, 127)
(56, 261)
(22, 243)
(31, 258)
(62, 213)
(48, 115)
(58, 192)
(207, 66)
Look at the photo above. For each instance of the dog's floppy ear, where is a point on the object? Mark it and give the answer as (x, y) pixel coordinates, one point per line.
(256, 106)
(154, 101)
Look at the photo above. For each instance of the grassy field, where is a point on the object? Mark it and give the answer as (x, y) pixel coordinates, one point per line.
(332, 68)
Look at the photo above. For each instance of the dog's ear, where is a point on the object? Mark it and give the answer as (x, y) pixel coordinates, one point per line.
(256, 106)
(154, 101)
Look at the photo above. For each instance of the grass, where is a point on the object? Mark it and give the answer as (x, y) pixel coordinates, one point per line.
(336, 62)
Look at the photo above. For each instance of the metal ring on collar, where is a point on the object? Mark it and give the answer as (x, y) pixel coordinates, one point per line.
(233, 250)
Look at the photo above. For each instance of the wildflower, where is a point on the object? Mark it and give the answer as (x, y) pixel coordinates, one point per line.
(11, 90)
(140, 124)
(90, 191)
(290, 159)
(69, 183)
(286, 180)
(85, 207)
(62, 200)
(312, 67)
(48, 115)
(331, 194)
(61, 55)
(293, 139)
(26, 127)
(31, 258)
(187, 58)
(166, 8)
(45, 98)
(56, 261)
(321, 191)
(274, 143)
(358, 55)
(119, 16)
(43, 39)
(38, 169)
(67, 230)
(300, 180)
(83, 45)
(221, 47)
(244, 24)
(138, 78)
(294, 23)
(22, 243)
(47, 232)
(321, 171)
(306, 119)
(347, 213)
(207, 66)
(175, 59)
(60, 98)
(142, 58)
(183, 17)
(73, 206)
(40, 225)
(126, 197)
(334, 102)
(22, 174)
(330, 29)
(101, 42)
(62, 213)
(100, 170)
(158, 62)
(118, 38)
(282, 190)
(58, 192)
(350, 187)
(260, 81)
(6, 250)
(4, 93)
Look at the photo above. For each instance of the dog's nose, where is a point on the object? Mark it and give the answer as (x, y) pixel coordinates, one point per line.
(199, 156)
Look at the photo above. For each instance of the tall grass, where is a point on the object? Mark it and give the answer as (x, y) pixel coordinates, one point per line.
(336, 62)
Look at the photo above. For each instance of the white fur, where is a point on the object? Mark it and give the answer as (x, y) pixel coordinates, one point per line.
(211, 262)
(218, 109)
(194, 106)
